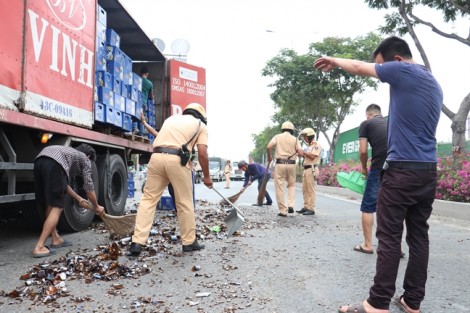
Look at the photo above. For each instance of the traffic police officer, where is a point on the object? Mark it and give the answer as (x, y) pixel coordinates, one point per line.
(311, 161)
(170, 164)
(286, 147)
(227, 172)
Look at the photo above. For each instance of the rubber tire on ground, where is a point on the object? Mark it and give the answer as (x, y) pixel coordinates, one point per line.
(75, 218)
(113, 184)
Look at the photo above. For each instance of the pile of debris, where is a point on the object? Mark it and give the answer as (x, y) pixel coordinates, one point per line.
(47, 281)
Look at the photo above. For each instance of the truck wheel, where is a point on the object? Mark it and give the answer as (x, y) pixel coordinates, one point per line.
(113, 184)
(74, 217)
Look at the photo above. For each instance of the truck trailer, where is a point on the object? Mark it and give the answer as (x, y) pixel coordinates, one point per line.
(69, 76)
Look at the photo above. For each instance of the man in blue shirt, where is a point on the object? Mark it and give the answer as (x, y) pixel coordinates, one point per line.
(255, 171)
(409, 180)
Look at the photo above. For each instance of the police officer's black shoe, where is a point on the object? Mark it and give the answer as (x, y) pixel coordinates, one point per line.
(134, 249)
(309, 212)
(267, 203)
(302, 210)
(291, 209)
(193, 247)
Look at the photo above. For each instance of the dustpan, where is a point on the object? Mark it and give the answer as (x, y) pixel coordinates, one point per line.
(235, 219)
(353, 181)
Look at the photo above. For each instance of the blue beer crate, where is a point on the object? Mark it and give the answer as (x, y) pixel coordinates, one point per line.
(130, 106)
(116, 69)
(100, 112)
(118, 118)
(101, 15)
(119, 102)
(106, 96)
(112, 38)
(136, 82)
(109, 115)
(101, 31)
(130, 188)
(126, 122)
(103, 79)
(114, 54)
(166, 203)
(132, 93)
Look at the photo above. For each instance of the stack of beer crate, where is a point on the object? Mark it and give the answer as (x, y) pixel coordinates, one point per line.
(118, 91)
(130, 185)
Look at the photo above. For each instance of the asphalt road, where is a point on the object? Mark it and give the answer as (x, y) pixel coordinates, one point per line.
(294, 264)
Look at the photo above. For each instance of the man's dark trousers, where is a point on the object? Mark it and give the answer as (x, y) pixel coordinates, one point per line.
(405, 195)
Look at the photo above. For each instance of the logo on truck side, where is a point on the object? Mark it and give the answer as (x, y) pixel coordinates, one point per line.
(71, 13)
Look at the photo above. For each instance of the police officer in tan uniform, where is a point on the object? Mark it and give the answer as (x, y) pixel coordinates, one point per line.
(227, 172)
(311, 161)
(286, 148)
(170, 163)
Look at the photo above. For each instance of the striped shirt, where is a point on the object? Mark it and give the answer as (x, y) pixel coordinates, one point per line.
(74, 163)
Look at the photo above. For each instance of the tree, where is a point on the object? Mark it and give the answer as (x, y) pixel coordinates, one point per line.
(308, 97)
(261, 140)
(405, 20)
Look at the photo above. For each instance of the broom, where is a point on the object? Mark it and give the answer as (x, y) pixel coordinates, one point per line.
(262, 190)
(231, 198)
(118, 226)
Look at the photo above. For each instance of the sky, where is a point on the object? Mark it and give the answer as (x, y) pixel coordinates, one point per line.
(233, 41)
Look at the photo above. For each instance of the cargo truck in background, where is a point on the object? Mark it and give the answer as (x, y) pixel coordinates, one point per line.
(237, 174)
(216, 168)
(69, 76)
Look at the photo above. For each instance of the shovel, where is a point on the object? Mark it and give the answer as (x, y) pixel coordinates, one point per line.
(235, 219)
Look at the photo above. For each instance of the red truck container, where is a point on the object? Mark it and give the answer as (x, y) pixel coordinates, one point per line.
(49, 96)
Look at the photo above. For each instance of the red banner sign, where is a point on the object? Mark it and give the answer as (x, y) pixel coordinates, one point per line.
(58, 71)
(188, 85)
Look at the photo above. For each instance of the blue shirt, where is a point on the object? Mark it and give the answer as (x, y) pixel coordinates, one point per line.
(254, 172)
(415, 106)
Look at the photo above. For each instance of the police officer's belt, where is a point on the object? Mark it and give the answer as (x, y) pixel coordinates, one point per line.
(285, 161)
(166, 150)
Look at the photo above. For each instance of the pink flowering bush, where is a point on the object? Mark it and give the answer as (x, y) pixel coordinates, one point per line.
(328, 172)
(452, 185)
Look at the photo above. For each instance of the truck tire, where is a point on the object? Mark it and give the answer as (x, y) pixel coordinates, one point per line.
(113, 184)
(74, 217)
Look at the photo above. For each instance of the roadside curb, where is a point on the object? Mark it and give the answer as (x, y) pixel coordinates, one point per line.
(450, 209)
